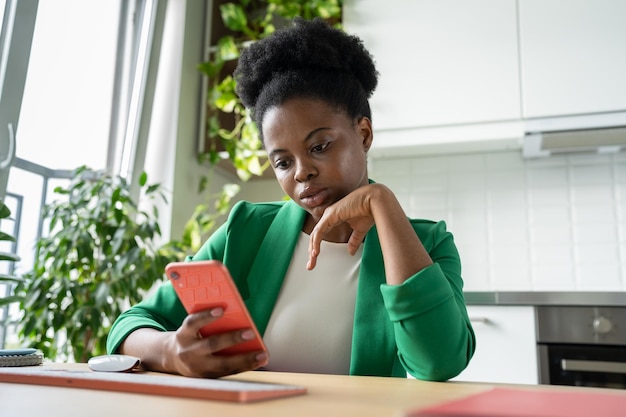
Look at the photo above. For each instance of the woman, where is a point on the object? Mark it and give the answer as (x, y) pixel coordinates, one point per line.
(338, 279)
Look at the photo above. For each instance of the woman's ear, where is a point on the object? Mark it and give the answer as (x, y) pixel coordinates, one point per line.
(364, 129)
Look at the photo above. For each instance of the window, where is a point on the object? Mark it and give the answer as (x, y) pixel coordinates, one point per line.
(66, 108)
(81, 101)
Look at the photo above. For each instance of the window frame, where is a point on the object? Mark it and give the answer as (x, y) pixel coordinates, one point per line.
(140, 31)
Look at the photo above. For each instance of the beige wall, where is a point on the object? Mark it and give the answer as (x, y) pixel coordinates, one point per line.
(261, 190)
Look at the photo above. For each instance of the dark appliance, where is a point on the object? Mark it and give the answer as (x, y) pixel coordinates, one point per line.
(582, 346)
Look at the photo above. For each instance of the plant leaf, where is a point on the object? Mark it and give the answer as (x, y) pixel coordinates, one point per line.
(227, 49)
(5, 212)
(143, 178)
(10, 300)
(11, 278)
(8, 256)
(234, 17)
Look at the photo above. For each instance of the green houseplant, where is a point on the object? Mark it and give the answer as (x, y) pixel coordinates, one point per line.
(100, 255)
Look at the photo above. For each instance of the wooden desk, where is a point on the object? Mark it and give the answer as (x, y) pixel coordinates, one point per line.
(328, 395)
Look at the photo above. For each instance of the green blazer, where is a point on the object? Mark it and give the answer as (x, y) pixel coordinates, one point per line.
(420, 327)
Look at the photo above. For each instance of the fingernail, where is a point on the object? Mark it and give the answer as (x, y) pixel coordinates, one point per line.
(247, 335)
(261, 357)
(217, 312)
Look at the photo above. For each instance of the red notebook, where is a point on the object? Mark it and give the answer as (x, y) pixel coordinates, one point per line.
(509, 402)
(150, 383)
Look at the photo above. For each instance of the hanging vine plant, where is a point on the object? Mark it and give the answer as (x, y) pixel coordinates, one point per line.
(230, 132)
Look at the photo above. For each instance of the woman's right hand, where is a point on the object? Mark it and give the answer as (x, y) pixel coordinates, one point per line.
(197, 356)
(186, 353)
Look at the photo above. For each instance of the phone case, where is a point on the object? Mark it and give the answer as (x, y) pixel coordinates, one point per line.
(201, 285)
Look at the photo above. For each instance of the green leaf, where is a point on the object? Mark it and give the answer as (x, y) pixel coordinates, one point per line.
(227, 49)
(193, 234)
(5, 212)
(227, 102)
(243, 174)
(269, 29)
(143, 178)
(328, 10)
(10, 300)
(210, 69)
(254, 166)
(102, 293)
(204, 185)
(234, 17)
(8, 256)
(11, 278)
(153, 188)
(231, 189)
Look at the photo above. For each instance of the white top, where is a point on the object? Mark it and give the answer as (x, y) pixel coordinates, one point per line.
(310, 329)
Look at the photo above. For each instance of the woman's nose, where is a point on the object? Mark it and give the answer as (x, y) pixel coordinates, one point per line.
(304, 171)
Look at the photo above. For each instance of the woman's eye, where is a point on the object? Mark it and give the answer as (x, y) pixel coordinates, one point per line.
(280, 164)
(320, 148)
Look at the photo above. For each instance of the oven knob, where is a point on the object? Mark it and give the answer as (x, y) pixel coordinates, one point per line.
(602, 325)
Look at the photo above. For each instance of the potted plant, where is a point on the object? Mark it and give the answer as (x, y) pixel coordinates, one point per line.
(100, 254)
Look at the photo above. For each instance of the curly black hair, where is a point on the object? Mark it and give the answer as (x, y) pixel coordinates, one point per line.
(311, 60)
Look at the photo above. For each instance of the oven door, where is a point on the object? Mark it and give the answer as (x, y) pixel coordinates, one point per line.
(582, 365)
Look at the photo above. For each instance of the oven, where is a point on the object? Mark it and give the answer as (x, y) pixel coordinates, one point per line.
(582, 346)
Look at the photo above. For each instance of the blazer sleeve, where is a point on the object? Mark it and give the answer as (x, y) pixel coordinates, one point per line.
(433, 333)
(162, 310)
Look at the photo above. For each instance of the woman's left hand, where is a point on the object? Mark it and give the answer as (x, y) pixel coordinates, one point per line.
(369, 205)
(354, 209)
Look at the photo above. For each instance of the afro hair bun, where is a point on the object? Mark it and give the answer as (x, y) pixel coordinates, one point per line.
(306, 45)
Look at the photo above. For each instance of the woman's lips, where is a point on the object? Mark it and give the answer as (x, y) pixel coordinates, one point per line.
(313, 198)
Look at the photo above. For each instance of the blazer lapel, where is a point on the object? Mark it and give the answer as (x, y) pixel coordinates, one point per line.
(272, 260)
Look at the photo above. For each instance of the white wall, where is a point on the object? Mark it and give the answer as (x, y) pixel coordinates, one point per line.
(172, 147)
(547, 224)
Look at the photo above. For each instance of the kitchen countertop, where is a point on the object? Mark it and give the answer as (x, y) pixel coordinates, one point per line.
(546, 298)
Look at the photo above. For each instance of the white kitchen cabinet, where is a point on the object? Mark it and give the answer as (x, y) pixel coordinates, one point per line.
(441, 62)
(506, 349)
(573, 56)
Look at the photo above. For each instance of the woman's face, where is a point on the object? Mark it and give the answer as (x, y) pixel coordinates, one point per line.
(318, 154)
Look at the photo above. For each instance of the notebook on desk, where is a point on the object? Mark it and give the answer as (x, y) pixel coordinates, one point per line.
(150, 383)
(513, 402)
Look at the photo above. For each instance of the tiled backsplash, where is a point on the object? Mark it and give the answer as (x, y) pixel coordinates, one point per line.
(553, 224)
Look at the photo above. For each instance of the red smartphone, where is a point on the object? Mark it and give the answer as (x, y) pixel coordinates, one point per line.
(201, 285)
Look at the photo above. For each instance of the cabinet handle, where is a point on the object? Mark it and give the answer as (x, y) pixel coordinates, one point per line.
(478, 319)
(593, 366)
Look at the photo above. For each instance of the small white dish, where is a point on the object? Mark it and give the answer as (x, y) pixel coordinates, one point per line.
(113, 363)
